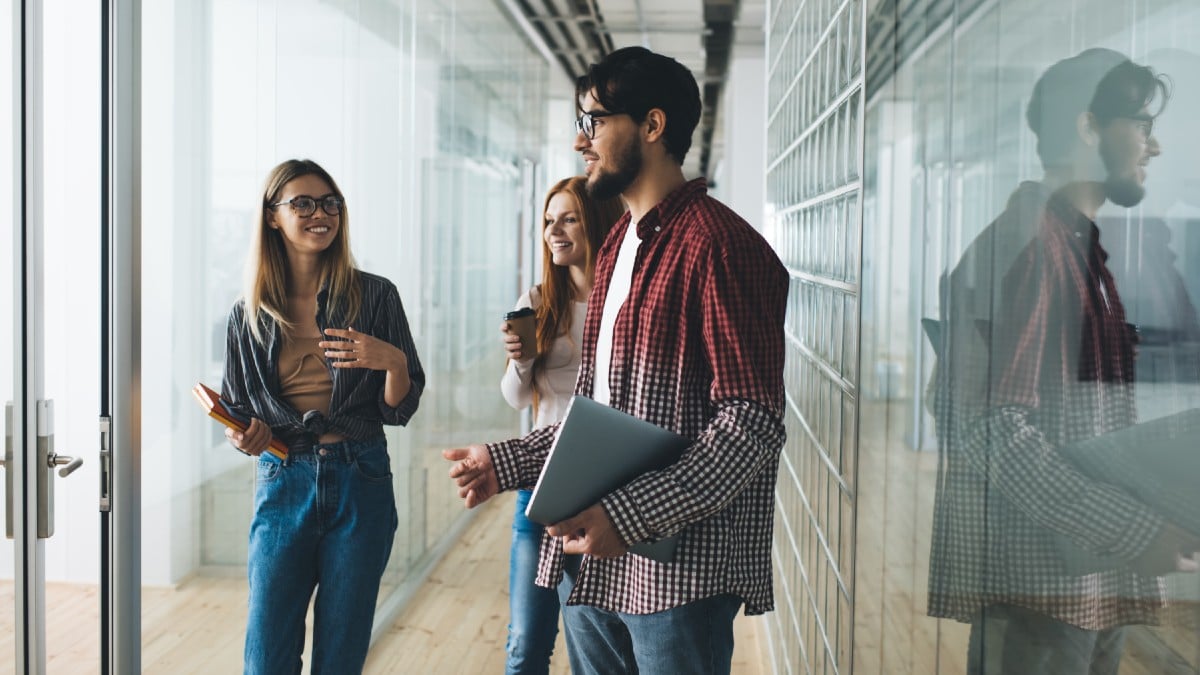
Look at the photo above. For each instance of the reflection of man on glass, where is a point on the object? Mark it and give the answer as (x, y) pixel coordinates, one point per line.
(1154, 256)
(1037, 354)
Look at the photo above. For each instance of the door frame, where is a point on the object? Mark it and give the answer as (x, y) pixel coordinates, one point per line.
(28, 382)
(120, 448)
(118, 439)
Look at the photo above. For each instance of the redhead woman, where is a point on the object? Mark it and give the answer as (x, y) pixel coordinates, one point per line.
(573, 228)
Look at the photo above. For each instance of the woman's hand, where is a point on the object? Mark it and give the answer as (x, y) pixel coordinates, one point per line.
(512, 344)
(253, 440)
(359, 350)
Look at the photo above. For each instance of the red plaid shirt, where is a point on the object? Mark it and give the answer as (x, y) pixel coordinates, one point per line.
(1053, 365)
(697, 348)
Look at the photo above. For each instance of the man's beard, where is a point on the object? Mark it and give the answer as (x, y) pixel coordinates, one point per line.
(1121, 188)
(608, 185)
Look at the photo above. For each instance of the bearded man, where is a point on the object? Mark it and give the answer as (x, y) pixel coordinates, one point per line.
(1047, 565)
(685, 330)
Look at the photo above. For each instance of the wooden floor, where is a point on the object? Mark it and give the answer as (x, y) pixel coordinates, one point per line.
(455, 623)
(893, 633)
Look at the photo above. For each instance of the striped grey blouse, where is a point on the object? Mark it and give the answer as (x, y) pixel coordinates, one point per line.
(357, 409)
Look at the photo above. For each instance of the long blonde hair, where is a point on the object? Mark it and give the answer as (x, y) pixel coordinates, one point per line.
(554, 314)
(267, 272)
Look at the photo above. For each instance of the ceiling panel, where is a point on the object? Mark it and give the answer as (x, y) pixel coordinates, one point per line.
(579, 32)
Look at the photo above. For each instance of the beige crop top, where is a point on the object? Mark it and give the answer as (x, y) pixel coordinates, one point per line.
(304, 381)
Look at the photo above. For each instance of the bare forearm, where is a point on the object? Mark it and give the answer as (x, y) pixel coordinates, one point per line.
(396, 386)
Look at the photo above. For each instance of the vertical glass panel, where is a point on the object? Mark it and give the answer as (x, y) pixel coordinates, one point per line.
(423, 112)
(1031, 284)
(70, 250)
(8, 190)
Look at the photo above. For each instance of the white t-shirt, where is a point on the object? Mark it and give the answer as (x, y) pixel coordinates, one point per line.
(618, 292)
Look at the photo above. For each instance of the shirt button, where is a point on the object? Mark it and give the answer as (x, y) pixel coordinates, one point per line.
(324, 452)
(657, 228)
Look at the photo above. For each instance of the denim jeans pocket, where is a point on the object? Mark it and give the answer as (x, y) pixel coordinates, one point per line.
(267, 470)
(374, 464)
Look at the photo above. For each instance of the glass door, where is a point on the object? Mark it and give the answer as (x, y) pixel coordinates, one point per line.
(52, 382)
(9, 134)
(66, 177)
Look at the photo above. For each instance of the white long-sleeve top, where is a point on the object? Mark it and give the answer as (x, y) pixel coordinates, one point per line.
(556, 382)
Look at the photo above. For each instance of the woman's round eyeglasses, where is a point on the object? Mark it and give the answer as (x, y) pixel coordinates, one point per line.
(304, 206)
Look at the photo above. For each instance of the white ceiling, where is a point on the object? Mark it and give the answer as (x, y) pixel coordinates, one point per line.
(672, 27)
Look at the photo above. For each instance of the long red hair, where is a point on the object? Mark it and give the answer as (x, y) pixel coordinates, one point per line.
(558, 291)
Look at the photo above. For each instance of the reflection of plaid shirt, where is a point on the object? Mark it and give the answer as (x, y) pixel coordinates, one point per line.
(1043, 361)
(698, 349)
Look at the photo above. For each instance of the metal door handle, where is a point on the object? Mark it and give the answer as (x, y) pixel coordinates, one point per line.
(8, 469)
(71, 463)
(48, 458)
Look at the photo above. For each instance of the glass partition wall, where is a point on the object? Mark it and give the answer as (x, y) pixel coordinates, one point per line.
(9, 136)
(428, 115)
(960, 198)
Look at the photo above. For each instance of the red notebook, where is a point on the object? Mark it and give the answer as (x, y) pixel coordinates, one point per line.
(220, 411)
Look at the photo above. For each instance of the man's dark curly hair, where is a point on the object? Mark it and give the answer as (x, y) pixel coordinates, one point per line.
(635, 80)
(1100, 81)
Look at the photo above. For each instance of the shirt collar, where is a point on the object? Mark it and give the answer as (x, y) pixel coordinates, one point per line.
(322, 299)
(1080, 227)
(663, 214)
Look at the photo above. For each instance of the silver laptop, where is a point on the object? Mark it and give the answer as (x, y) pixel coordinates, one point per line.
(1156, 462)
(599, 449)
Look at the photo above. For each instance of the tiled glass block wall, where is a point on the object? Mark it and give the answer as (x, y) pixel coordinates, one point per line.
(813, 174)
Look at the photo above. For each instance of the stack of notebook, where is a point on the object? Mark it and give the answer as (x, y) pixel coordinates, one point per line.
(219, 410)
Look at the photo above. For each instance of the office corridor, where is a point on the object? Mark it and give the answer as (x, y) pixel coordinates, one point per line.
(456, 622)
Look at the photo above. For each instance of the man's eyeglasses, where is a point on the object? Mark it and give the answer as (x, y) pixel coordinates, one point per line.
(586, 122)
(1143, 123)
(304, 206)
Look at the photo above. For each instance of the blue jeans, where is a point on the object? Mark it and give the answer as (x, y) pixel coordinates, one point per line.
(532, 609)
(324, 518)
(1011, 640)
(696, 638)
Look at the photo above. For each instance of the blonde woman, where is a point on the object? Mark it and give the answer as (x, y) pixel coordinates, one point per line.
(573, 228)
(318, 354)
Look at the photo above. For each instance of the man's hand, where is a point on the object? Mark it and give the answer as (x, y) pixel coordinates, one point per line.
(1171, 550)
(474, 474)
(590, 532)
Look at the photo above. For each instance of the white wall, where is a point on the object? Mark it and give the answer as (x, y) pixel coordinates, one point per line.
(739, 176)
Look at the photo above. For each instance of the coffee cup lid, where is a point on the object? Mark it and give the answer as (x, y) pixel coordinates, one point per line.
(518, 313)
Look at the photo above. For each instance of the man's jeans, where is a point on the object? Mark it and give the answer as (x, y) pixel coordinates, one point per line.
(696, 638)
(323, 518)
(533, 610)
(1008, 640)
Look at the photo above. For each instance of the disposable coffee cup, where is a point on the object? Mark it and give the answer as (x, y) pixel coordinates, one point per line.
(524, 323)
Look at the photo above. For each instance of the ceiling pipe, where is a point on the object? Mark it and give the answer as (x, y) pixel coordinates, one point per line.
(641, 22)
(574, 35)
(719, 16)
